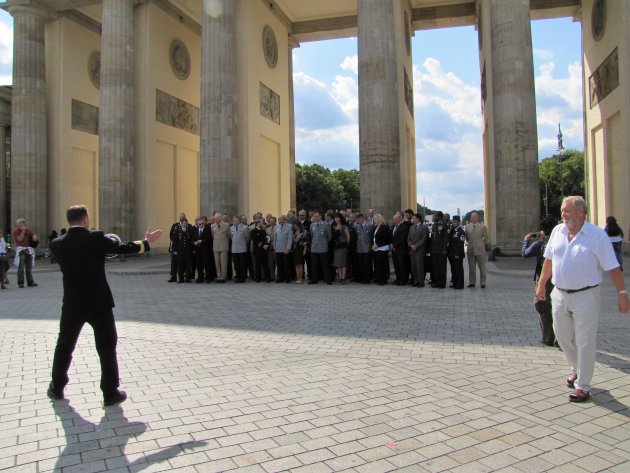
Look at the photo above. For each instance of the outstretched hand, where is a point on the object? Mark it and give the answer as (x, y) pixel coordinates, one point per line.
(152, 236)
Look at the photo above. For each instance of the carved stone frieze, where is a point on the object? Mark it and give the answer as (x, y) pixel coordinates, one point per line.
(269, 104)
(84, 117)
(174, 112)
(605, 79)
(94, 68)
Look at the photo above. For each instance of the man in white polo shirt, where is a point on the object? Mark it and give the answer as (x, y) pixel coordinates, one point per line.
(575, 257)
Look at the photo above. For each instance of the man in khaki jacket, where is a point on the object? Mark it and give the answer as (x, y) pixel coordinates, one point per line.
(221, 245)
(477, 237)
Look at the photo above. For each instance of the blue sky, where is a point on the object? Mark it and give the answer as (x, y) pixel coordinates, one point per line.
(447, 104)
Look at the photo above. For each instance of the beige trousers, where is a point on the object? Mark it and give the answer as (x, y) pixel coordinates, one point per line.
(473, 261)
(221, 262)
(575, 318)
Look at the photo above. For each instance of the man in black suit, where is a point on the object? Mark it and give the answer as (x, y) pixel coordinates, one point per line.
(88, 298)
(202, 243)
(399, 247)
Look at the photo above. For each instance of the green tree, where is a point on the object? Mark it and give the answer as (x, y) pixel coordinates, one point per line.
(317, 188)
(560, 176)
(349, 180)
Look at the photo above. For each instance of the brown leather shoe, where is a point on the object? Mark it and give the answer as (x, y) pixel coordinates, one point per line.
(571, 381)
(579, 396)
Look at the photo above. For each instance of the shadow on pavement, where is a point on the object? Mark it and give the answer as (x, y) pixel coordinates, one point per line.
(604, 398)
(87, 442)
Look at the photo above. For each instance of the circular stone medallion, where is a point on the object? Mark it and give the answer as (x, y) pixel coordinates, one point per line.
(94, 68)
(598, 20)
(270, 46)
(180, 59)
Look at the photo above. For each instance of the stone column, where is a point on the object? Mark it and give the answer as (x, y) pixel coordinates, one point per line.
(512, 131)
(379, 121)
(29, 163)
(292, 45)
(3, 180)
(219, 187)
(116, 120)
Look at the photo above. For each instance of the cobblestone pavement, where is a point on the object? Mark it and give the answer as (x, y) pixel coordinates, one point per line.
(279, 377)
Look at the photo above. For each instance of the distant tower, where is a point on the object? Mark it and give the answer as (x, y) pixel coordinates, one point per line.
(560, 150)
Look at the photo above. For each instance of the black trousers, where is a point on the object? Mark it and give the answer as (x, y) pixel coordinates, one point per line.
(438, 261)
(400, 258)
(106, 338)
(546, 320)
(308, 267)
(204, 260)
(250, 265)
(284, 262)
(363, 270)
(184, 265)
(457, 271)
(321, 267)
(240, 266)
(381, 267)
(261, 265)
(173, 265)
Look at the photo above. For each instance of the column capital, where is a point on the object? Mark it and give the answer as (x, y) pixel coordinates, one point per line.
(34, 7)
(293, 43)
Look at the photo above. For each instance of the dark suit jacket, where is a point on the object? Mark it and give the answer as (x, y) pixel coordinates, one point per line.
(81, 256)
(206, 236)
(383, 236)
(399, 237)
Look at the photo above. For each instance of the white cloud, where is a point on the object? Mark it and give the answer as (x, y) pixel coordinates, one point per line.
(6, 43)
(350, 63)
(568, 88)
(543, 54)
(6, 79)
(345, 90)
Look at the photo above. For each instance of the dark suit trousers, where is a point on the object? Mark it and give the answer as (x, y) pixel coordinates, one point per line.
(173, 265)
(261, 265)
(283, 266)
(381, 267)
(202, 260)
(240, 266)
(105, 336)
(400, 258)
(321, 268)
(417, 266)
(184, 265)
(457, 271)
(439, 269)
(546, 320)
(363, 271)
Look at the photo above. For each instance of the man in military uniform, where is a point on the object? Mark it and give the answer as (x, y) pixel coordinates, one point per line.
(417, 241)
(321, 235)
(183, 248)
(364, 231)
(456, 252)
(176, 227)
(438, 245)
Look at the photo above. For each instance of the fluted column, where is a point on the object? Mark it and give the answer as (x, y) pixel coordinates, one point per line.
(292, 45)
(29, 163)
(116, 119)
(3, 180)
(379, 125)
(218, 107)
(512, 105)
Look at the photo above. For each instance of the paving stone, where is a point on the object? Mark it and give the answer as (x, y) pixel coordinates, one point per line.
(431, 387)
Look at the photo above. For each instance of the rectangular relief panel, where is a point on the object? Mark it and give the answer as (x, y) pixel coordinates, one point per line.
(84, 117)
(265, 184)
(269, 104)
(605, 79)
(187, 183)
(174, 112)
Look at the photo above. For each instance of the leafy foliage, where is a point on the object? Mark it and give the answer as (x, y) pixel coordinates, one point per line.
(560, 176)
(317, 187)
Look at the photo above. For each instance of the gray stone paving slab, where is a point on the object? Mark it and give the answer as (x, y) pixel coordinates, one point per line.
(274, 377)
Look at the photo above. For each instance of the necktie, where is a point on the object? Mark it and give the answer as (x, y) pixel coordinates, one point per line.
(417, 226)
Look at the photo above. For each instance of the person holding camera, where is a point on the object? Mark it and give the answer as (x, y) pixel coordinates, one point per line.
(25, 241)
(534, 245)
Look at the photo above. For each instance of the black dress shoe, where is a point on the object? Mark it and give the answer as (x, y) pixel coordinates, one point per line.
(483, 286)
(55, 394)
(115, 399)
(33, 284)
(312, 282)
(199, 281)
(471, 285)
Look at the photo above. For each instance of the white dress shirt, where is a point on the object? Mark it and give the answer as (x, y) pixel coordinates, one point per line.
(579, 263)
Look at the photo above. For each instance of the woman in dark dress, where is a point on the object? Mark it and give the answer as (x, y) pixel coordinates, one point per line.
(381, 239)
(300, 240)
(341, 237)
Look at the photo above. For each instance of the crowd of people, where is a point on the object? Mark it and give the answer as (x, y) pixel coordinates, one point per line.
(334, 246)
